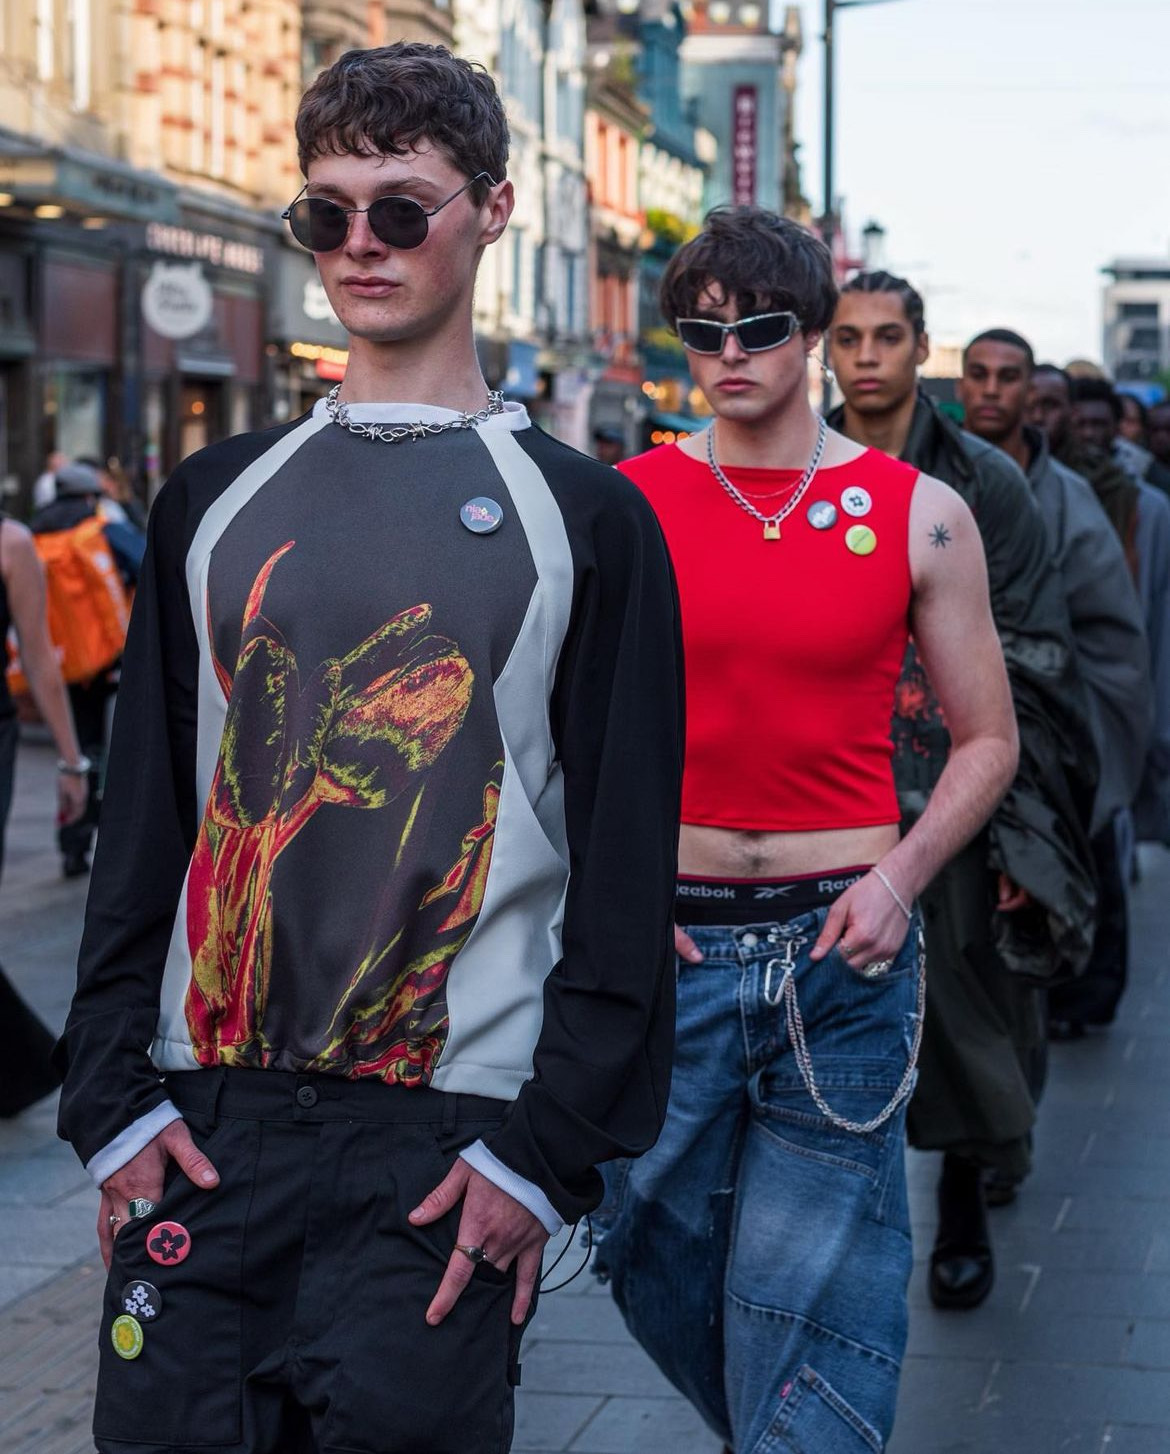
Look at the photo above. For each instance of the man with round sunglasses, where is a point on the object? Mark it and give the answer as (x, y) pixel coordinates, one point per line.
(761, 1251)
(376, 967)
(322, 225)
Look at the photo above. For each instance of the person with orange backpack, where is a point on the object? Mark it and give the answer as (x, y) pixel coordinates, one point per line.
(90, 564)
(25, 1043)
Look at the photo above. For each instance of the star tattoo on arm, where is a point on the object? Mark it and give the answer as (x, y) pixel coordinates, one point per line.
(940, 536)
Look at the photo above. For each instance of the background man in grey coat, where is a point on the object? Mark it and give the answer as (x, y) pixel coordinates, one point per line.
(1103, 605)
(1109, 625)
(1016, 906)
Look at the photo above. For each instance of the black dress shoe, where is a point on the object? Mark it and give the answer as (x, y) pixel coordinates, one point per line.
(74, 865)
(962, 1269)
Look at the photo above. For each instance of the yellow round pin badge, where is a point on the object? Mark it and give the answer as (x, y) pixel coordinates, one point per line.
(861, 540)
(126, 1336)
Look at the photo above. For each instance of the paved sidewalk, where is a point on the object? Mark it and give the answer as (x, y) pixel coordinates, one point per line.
(1070, 1356)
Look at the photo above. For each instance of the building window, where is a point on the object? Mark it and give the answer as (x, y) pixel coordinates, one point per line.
(571, 308)
(45, 39)
(1144, 339)
(198, 109)
(517, 272)
(75, 413)
(1138, 310)
(218, 118)
(80, 22)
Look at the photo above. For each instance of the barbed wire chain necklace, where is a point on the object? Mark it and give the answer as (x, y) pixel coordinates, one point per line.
(393, 433)
(771, 523)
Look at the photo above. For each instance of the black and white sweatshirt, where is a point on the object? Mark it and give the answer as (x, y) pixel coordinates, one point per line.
(391, 798)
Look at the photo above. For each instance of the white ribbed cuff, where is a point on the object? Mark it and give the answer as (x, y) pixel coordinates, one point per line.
(128, 1143)
(527, 1193)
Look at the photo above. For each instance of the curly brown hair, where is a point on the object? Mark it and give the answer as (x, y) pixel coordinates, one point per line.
(386, 100)
(765, 262)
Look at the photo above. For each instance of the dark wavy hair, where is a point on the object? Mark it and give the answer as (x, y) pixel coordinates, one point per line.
(764, 262)
(386, 100)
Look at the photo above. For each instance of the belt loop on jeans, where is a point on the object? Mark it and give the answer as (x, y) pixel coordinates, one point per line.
(450, 1113)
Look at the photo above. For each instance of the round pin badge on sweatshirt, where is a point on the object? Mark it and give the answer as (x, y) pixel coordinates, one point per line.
(482, 516)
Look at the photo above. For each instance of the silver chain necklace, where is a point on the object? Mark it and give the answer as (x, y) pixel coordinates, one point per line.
(771, 523)
(392, 433)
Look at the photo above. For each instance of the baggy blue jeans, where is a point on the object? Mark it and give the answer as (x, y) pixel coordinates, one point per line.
(760, 1253)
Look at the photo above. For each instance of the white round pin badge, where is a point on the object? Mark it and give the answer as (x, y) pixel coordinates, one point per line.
(822, 515)
(856, 501)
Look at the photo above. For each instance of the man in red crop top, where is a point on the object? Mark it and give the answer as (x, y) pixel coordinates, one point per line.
(761, 1251)
(1019, 904)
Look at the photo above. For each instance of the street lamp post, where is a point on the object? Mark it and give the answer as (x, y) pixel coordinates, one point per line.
(829, 220)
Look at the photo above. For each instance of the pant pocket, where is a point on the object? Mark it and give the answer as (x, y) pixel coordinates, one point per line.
(413, 1388)
(184, 1375)
(815, 1419)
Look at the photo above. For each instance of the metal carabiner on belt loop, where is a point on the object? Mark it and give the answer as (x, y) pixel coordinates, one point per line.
(785, 965)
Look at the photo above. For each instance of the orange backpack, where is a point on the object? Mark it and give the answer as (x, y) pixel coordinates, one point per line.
(89, 608)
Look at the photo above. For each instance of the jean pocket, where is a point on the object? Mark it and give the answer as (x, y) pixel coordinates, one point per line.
(815, 1419)
(185, 1373)
(786, 1112)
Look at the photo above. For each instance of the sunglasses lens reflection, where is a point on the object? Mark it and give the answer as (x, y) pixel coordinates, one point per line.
(700, 336)
(762, 333)
(398, 221)
(317, 224)
(322, 226)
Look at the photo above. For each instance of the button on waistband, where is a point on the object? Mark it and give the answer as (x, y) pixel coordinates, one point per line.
(306, 1096)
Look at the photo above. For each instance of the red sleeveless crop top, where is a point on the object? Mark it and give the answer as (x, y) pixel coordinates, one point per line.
(793, 647)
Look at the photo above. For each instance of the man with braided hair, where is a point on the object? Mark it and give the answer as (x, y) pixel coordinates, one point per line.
(1016, 906)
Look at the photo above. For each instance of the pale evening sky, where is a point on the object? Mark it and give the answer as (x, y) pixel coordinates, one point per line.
(1009, 148)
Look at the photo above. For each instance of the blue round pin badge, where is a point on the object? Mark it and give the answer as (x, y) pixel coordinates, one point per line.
(482, 515)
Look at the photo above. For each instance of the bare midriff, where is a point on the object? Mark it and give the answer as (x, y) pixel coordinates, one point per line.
(705, 852)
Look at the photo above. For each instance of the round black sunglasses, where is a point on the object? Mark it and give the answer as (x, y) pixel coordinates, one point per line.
(756, 334)
(322, 226)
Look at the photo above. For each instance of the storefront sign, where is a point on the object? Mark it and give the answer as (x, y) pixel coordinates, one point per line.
(316, 304)
(209, 247)
(302, 310)
(107, 189)
(328, 363)
(176, 300)
(744, 146)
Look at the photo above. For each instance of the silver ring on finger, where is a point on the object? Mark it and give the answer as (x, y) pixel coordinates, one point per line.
(845, 951)
(876, 969)
(473, 1254)
(114, 1220)
(140, 1207)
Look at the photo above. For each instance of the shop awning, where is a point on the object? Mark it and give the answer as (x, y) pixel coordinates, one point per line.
(83, 182)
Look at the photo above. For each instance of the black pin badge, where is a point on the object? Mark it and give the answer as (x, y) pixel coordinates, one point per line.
(481, 515)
